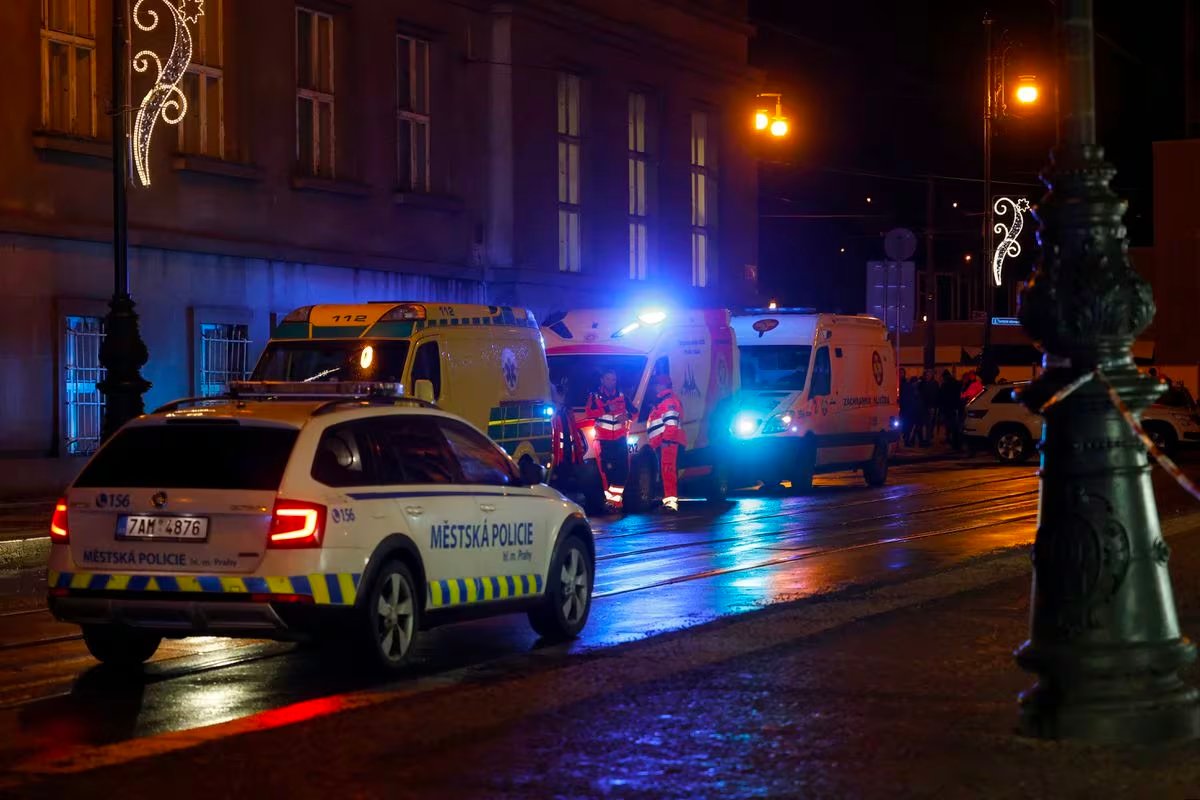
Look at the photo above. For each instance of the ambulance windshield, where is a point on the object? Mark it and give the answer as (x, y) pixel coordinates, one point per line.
(582, 373)
(316, 361)
(774, 366)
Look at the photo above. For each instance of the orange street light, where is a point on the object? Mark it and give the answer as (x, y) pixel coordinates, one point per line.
(776, 124)
(1027, 90)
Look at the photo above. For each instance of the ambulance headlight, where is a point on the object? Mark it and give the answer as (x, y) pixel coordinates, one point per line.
(652, 316)
(778, 423)
(745, 424)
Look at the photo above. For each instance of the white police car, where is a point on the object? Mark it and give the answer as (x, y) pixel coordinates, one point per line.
(304, 517)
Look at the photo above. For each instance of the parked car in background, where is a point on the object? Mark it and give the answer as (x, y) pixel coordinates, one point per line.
(998, 422)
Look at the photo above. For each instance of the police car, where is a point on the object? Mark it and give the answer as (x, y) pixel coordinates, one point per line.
(309, 517)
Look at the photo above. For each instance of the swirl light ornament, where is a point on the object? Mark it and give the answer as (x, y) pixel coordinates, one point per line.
(165, 99)
(1009, 246)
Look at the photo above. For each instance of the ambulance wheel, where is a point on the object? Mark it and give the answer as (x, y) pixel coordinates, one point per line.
(718, 485)
(639, 492)
(564, 609)
(391, 618)
(875, 471)
(118, 645)
(801, 473)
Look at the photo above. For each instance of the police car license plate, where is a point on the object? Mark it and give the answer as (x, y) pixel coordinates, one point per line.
(192, 529)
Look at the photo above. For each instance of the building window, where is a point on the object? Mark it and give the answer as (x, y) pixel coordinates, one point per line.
(202, 131)
(569, 146)
(314, 93)
(704, 201)
(412, 114)
(69, 66)
(84, 403)
(638, 212)
(224, 356)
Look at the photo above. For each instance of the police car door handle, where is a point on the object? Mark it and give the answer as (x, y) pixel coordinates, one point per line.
(487, 508)
(415, 511)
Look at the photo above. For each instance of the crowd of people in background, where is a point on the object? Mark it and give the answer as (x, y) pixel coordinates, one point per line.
(929, 407)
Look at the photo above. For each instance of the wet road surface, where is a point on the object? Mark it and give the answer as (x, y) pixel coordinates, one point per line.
(655, 574)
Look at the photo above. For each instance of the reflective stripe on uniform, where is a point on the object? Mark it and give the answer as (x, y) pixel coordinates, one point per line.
(337, 588)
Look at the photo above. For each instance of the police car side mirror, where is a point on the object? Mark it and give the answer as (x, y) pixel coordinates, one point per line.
(423, 390)
(532, 473)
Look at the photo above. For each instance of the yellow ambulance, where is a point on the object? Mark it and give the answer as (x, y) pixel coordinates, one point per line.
(484, 363)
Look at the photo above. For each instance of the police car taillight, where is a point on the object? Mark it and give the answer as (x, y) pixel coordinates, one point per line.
(58, 522)
(295, 523)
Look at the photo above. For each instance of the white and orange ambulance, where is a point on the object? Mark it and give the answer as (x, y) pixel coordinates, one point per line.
(819, 393)
(694, 346)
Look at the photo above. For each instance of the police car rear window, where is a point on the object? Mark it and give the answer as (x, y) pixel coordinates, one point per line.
(192, 456)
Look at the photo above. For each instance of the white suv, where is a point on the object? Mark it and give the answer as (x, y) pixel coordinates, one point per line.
(997, 421)
(301, 518)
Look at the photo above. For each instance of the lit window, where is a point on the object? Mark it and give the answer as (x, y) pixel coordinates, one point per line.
(412, 114)
(314, 93)
(704, 196)
(224, 356)
(68, 57)
(84, 404)
(638, 212)
(569, 146)
(202, 131)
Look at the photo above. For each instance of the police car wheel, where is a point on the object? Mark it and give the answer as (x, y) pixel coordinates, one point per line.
(568, 599)
(119, 646)
(875, 471)
(392, 612)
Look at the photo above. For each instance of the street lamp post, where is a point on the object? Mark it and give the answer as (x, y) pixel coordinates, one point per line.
(995, 106)
(1104, 639)
(122, 353)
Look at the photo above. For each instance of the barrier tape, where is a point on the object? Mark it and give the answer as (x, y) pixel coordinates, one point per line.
(1164, 461)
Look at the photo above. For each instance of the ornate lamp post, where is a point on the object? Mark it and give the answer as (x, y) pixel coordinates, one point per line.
(1104, 639)
(122, 353)
(995, 107)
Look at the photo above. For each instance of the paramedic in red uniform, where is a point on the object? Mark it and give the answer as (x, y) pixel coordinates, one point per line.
(610, 414)
(667, 437)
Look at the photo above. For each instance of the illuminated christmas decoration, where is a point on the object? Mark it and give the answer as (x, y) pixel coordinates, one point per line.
(1009, 246)
(165, 99)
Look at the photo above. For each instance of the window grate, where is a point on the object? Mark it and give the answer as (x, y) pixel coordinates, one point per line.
(84, 402)
(224, 356)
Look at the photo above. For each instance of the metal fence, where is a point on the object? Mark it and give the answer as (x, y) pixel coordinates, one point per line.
(224, 356)
(84, 403)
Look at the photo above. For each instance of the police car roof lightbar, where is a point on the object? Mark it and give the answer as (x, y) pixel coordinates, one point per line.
(282, 391)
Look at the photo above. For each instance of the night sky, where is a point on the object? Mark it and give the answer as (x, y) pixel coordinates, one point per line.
(882, 94)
